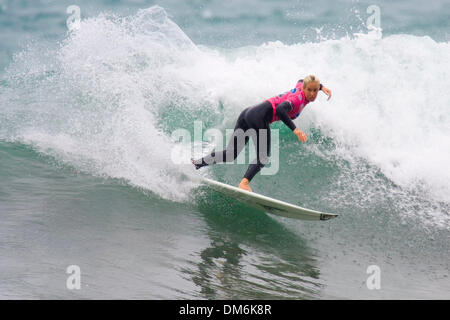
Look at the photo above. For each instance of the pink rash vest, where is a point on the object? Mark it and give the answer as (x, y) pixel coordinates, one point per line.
(296, 97)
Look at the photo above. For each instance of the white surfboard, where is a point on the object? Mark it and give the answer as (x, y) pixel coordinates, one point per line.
(267, 204)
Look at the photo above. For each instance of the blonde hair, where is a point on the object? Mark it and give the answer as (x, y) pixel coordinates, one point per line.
(309, 79)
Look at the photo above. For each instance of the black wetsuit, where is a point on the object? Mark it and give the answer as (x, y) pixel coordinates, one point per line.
(257, 117)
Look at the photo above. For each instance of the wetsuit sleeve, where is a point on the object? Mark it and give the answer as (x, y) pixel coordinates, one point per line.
(320, 85)
(282, 112)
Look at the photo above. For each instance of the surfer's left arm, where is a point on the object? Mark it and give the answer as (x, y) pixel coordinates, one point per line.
(326, 91)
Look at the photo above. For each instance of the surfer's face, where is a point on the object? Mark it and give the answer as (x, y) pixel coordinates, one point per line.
(311, 90)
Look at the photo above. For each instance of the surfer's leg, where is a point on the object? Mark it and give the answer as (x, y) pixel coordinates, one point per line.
(262, 145)
(237, 142)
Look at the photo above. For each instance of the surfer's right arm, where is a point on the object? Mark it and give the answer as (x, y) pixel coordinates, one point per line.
(282, 112)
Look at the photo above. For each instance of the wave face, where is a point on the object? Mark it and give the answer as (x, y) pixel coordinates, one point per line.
(107, 98)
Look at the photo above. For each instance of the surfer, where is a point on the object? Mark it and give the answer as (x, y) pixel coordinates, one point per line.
(254, 122)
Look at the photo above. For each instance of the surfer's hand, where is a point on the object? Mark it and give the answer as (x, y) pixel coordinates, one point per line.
(302, 137)
(327, 92)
